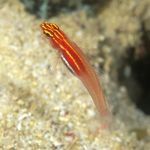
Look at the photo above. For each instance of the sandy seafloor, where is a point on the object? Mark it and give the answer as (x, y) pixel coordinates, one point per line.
(43, 106)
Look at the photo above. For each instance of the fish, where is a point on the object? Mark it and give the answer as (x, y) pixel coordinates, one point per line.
(76, 61)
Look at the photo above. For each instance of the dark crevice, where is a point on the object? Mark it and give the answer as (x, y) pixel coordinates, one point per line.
(137, 78)
(49, 8)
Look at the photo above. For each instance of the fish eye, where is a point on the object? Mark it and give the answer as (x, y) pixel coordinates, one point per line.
(48, 34)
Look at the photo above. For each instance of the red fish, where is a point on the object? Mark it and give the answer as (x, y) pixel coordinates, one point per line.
(77, 63)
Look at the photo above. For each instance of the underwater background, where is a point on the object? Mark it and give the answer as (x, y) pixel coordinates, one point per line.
(43, 106)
